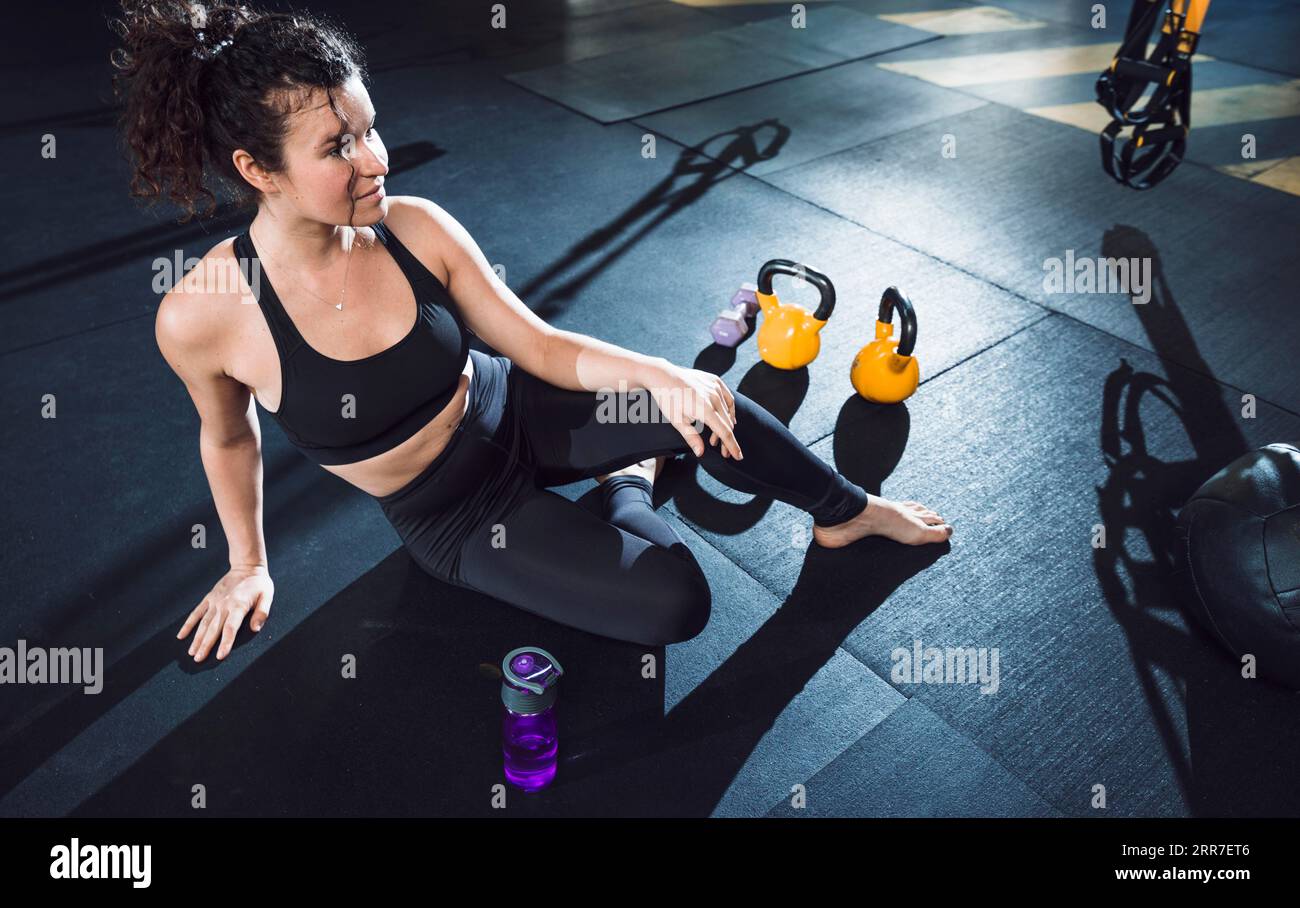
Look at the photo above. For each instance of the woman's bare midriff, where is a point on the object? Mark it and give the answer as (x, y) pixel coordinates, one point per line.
(385, 473)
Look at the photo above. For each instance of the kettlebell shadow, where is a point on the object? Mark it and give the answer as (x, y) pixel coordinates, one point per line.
(779, 392)
(869, 441)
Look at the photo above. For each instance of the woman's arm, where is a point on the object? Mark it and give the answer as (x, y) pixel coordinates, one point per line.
(562, 358)
(230, 449)
(229, 436)
(682, 395)
(580, 362)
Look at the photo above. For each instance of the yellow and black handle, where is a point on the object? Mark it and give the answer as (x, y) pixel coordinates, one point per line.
(1160, 127)
(789, 337)
(825, 288)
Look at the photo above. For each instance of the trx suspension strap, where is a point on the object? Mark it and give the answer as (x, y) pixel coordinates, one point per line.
(1160, 128)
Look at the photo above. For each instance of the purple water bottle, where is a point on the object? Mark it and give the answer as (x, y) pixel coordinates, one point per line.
(528, 737)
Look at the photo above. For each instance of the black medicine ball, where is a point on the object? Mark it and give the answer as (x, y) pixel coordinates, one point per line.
(1241, 541)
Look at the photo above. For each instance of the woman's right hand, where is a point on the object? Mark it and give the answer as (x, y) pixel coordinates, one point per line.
(222, 611)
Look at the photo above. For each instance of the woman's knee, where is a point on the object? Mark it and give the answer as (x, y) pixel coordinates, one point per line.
(679, 603)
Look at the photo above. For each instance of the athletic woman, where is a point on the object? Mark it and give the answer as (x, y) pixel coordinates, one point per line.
(357, 345)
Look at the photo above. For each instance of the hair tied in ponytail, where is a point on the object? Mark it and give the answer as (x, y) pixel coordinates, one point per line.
(183, 117)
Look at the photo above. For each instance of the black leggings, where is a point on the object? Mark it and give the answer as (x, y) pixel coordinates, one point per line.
(480, 515)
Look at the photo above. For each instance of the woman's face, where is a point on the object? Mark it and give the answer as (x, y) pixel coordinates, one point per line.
(330, 166)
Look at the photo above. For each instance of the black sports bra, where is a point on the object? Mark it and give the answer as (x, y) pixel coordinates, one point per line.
(342, 411)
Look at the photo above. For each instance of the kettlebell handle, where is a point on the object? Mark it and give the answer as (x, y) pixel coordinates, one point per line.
(813, 276)
(890, 301)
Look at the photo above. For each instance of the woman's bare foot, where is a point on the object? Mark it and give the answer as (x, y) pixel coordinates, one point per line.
(903, 521)
(650, 468)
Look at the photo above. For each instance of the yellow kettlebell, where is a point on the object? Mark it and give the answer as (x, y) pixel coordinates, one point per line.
(788, 337)
(885, 371)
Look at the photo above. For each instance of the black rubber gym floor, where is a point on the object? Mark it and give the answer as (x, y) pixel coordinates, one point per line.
(1040, 416)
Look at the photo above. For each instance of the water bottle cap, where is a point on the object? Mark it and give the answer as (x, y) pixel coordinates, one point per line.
(529, 676)
(522, 664)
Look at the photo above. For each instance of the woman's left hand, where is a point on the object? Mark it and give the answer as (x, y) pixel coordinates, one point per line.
(685, 395)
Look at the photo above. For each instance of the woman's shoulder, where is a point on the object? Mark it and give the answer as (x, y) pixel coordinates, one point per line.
(216, 273)
(410, 215)
(194, 310)
(422, 227)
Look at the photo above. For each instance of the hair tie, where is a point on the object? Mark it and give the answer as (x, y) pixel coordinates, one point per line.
(202, 51)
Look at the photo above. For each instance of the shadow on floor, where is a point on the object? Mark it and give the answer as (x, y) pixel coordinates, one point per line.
(683, 763)
(416, 733)
(1241, 738)
(868, 443)
(700, 171)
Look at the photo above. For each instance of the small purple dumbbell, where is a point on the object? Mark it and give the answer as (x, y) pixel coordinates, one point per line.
(730, 327)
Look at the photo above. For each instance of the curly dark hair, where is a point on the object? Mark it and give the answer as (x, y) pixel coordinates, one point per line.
(199, 80)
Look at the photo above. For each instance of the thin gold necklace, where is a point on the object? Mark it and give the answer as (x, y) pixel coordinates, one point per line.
(346, 271)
